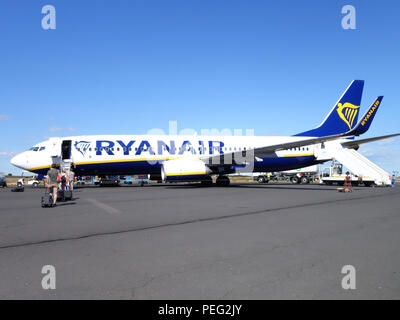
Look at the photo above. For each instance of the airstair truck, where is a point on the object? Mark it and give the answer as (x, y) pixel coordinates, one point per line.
(335, 175)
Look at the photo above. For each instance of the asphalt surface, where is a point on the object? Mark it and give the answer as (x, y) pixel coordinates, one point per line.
(246, 241)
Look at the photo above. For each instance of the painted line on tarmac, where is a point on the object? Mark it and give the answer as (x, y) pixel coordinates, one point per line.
(103, 206)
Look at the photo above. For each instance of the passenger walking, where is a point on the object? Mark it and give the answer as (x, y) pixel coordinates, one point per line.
(64, 180)
(71, 179)
(347, 183)
(51, 182)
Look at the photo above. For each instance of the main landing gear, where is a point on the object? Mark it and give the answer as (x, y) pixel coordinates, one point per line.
(223, 181)
(207, 181)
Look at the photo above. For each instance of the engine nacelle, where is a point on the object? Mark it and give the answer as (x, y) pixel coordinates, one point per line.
(184, 170)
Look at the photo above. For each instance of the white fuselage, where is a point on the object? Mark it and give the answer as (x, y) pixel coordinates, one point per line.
(131, 154)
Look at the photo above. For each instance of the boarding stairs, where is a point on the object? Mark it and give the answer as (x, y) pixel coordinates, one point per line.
(66, 164)
(362, 167)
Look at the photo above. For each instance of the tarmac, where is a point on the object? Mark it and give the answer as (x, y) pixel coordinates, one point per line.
(245, 241)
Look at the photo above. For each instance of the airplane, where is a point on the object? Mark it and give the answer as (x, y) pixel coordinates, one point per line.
(173, 158)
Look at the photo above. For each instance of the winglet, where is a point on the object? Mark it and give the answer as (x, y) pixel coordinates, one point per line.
(365, 122)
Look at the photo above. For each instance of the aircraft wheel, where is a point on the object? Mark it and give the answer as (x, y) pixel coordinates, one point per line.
(223, 181)
(207, 182)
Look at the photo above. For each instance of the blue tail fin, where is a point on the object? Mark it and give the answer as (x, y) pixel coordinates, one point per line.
(343, 115)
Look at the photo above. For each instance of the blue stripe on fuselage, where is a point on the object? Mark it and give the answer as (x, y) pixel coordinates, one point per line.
(147, 167)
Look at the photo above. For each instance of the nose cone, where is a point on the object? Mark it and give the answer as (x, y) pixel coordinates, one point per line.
(19, 161)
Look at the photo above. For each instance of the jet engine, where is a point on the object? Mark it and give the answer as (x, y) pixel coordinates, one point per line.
(184, 170)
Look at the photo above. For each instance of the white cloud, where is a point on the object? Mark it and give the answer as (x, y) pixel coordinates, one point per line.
(7, 154)
(386, 141)
(55, 129)
(384, 156)
(4, 117)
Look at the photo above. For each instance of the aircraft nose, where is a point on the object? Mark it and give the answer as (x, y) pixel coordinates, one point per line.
(19, 161)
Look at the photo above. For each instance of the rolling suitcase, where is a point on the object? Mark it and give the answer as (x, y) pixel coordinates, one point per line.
(60, 195)
(64, 195)
(47, 200)
(67, 194)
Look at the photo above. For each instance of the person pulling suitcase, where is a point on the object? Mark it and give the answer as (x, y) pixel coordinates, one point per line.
(51, 182)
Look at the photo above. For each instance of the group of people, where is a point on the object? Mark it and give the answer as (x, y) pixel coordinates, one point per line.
(56, 180)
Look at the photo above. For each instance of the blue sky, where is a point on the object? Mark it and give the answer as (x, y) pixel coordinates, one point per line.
(125, 67)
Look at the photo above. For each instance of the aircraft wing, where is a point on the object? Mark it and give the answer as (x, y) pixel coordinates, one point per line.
(355, 143)
(240, 156)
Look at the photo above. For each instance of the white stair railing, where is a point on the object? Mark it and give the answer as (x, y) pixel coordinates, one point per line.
(361, 166)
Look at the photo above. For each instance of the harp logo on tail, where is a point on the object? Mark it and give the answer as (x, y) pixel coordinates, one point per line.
(347, 112)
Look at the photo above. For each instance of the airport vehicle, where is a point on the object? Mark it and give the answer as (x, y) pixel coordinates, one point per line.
(3, 182)
(262, 177)
(108, 181)
(34, 183)
(21, 182)
(141, 179)
(300, 175)
(128, 180)
(80, 181)
(335, 175)
(198, 158)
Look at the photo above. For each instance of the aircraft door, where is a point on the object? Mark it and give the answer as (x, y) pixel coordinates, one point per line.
(66, 150)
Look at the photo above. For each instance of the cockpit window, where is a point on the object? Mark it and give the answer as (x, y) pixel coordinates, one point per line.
(34, 148)
(42, 148)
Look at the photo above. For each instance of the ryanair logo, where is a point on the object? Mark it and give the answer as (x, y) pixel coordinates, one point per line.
(370, 112)
(82, 146)
(347, 112)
